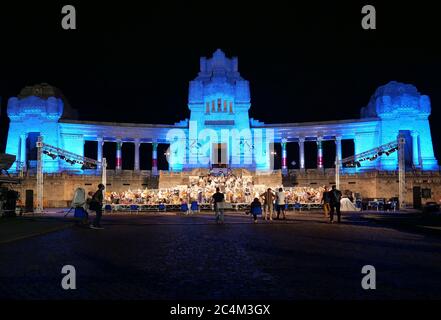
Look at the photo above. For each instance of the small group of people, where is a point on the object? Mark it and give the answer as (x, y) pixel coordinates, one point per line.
(270, 199)
(94, 202)
(273, 201)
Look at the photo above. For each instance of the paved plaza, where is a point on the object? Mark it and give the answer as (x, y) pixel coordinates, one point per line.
(173, 256)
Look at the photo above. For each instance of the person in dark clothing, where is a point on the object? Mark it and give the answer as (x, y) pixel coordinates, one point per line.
(255, 208)
(96, 205)
(218, 199)
(334, 202)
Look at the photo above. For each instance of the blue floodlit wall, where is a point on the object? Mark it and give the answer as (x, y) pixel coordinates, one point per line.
(35, 114)
(400, 107)
(219, 101)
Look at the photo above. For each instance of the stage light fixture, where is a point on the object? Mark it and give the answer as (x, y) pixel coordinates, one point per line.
(391, 151)
(350, 164)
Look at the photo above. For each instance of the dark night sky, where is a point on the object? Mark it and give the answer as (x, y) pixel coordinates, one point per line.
(132, 63)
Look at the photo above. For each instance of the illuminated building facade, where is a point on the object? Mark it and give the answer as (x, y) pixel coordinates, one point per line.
(219, 132)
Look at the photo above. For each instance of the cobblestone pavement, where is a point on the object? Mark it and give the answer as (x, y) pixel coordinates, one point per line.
(190, 257)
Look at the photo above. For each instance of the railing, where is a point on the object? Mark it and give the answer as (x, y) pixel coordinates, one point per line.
(201, 207)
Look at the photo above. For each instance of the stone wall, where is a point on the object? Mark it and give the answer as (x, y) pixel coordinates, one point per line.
(375, 184)
(59, 188)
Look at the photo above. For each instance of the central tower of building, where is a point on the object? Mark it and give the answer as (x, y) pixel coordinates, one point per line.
(219, 100)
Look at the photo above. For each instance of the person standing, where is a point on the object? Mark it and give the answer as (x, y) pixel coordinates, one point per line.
(219, 199)
(268, 200)
(335, 197)
(96, 204)
(326, 199)
(280, 203)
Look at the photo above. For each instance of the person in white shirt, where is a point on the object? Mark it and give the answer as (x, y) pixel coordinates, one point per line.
(280, 203)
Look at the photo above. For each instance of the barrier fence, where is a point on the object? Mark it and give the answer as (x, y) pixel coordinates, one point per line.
(199, 207)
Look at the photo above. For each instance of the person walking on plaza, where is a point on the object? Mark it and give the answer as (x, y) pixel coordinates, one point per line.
(268, 200)
(96, 204)
(326, 198)
(219, 200)
(280, 203)
(335, 197)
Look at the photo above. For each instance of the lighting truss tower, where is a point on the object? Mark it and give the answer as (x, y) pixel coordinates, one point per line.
(39, 208)
(375, 152)
(337, 172)
(41, 146)
(401, 172)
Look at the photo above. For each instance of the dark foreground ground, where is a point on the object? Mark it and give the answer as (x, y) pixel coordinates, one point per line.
(190, 257)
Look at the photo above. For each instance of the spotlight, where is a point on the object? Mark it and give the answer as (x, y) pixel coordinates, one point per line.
(358, 164)
(49, 154)
(391, 151)
(88, 166)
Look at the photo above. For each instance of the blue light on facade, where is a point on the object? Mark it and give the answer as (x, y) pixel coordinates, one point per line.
(219, 101)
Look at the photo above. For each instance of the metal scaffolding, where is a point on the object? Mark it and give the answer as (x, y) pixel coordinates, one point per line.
(39, 208)
(401, 172)
(73, 157)
(373, 154)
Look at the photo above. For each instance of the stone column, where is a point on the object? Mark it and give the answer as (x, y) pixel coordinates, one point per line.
(137, 144)
(302, 153)
(154, 158)
(118, 166)
(284, 166)
(99, 154)
(319, 153)
(415, 149)
(23, 150)
(338, 148)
